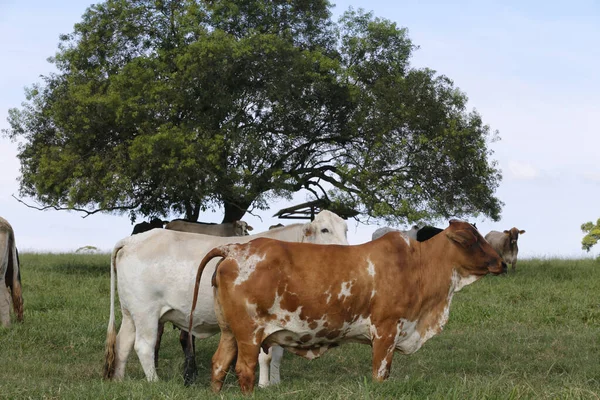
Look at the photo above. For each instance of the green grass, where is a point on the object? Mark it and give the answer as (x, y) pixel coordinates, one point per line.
(533, 334)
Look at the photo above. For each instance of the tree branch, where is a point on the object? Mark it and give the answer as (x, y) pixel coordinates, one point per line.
(87, 213)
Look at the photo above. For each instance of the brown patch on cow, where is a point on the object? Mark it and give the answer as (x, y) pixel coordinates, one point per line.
(289, 302)
(289, 339)
(305, 338)
(322, 333)
(313, 325)
(333, 334)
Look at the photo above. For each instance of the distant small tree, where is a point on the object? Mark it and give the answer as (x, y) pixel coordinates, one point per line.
(593, 234)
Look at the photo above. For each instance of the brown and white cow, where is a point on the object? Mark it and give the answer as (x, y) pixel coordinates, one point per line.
(505, 243)
(10, 275)
(393, 293)
(235, 228)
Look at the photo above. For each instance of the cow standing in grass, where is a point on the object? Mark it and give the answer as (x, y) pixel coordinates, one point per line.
(10, 275)
(156, 272)
(393, 293)
(235, 228)
(505, 243)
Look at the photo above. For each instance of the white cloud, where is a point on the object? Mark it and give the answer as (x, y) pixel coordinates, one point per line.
(522, 171)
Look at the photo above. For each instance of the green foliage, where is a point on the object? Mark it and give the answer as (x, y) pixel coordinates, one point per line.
(532, 334)
(182, 106)
(592, 234)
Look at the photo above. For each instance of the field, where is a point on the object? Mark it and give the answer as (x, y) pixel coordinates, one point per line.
(531, 334)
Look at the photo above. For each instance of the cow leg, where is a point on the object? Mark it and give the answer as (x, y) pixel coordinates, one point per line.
(161, 330)
(514, 266)
(383, 351)
(222, 359)
(277, 355)
(124, 344)
(264, 362)
(246, 364)
(4, 304)
(4, 294)
(269, 363)
(145, 342)
(189, 368)
(14, 282)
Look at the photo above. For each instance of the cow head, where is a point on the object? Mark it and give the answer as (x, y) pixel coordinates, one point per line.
(241, 228)
(513, 235)
(327, 228)
(474, 256)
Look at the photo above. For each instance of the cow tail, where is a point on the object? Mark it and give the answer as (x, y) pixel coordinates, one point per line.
(16, 292)
(111, 335)
(221, 251)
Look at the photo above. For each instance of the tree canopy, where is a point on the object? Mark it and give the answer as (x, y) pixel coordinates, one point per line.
(162, 106)
(592, 235)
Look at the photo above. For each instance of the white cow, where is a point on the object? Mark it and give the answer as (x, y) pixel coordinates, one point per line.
(235, 228)
(10, 277)
(157, 270)
(412, 233)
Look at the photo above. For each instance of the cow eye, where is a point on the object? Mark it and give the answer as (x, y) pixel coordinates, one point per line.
(324, 230)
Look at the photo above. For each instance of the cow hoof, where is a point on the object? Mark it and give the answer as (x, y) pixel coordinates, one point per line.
(189, 371)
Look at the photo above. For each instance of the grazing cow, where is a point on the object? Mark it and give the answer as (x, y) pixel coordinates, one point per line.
(393, 293)
(412, 233)
(235, 228)
(505, 243)
(10, 275)
(156, 271)
(146, 226)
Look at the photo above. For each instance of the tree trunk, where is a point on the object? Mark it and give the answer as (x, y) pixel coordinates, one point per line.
(192, 211)
(235, 212)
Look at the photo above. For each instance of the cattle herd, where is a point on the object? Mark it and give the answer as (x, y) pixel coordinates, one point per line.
(299, 287)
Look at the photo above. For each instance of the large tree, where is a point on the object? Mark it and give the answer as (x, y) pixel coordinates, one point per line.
(165, 106)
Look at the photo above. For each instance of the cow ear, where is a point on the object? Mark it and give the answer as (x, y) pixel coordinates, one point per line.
(521, 232)
(462, 237)
(249, 228)
(507, 232)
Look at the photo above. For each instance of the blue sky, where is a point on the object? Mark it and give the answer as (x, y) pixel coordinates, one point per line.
(530, 69)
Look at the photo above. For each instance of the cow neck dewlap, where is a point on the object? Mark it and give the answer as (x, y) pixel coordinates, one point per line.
(459, 282)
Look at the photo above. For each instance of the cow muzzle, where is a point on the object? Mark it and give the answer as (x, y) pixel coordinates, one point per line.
(498, 269)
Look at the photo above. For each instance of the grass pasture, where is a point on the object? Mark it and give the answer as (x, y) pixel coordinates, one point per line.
(531, 334)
